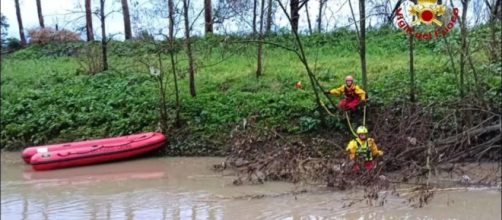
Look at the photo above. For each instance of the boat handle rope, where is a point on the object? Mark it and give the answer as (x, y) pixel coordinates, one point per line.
(97, 147)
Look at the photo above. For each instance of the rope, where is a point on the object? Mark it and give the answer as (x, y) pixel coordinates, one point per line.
(327, 110)
(364, 115)
(350, 126)
(346, 116)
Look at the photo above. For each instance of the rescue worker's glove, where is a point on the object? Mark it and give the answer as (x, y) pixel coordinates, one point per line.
(380, 153)
(327, 92)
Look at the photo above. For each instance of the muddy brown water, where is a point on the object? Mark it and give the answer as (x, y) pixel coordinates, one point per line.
(186, 188)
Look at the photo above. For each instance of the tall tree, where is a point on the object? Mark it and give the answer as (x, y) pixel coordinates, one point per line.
(294, 7)
(319, 15)
(411, 39)
(127, 20)
(308, 17)
(361, 38)
(208, 16)
(412, 69)
(268, 27)
(362, 42)
(255, 14)
(88, 21)
(259, 68)
(20, 23)
(104, 42)
(463, 46)
(188, 45)
(170, 5)
(40, 16)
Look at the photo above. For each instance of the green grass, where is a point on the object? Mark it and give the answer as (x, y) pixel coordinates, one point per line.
(45, 101)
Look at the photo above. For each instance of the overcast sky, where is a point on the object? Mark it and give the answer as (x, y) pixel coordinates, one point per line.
(69, 14)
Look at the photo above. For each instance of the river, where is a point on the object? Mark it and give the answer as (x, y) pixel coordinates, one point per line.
(186, 188)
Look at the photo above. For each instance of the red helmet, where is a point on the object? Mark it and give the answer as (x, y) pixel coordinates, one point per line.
(349, 78)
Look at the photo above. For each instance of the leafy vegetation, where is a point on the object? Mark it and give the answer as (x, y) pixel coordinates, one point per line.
(47, 97)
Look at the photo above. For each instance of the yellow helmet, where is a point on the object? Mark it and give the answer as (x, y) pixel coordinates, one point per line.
(362, 130)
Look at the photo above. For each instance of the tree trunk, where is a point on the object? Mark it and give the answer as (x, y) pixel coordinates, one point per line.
(208, 16)
(412, 70)
(103, 35)
(295, 14)
(259, 68)
(40, 16)
(88, 21)
(255, 6)
(463, 46)
(362, 43)
(173, 62)
(268, 27)
(20, 24)
(452, 60)
(308, 17)
(127, 20)
(188, 44)
(319, 15)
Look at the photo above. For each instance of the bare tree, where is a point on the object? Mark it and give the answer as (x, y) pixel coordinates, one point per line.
(319, 15)
(40, 16)
(233, 9)
(412, 65)
(361, 36)
(294, 7)
(127, 20)
(463, 46)
(362, 42)
(255, 6)
(103, 35)
(208, 16)
(188, 45)
(259, 68)
(20, 23)
(172, 52)
(308, 17)
(88, 21)
(268, 27)
(412, 70)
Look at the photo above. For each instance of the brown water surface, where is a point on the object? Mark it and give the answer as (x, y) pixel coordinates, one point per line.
(186, 188)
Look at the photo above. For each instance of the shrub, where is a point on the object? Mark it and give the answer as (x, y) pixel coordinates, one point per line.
(13, 44)
(48, 35)
(90, 59)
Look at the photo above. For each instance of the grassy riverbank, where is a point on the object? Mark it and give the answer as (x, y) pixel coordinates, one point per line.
(47, 98)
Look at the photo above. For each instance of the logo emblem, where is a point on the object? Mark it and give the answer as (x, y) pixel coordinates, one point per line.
(426, 13)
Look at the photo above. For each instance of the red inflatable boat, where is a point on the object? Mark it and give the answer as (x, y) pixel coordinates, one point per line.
(92, 151)
(30, 151)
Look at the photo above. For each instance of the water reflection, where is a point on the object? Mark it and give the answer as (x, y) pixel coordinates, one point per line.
(139, 169)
